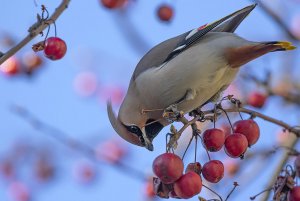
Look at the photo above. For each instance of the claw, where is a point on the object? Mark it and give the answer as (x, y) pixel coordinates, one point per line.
(172, 114)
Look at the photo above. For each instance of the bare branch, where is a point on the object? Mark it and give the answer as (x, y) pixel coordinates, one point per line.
(36, 29)
(277, 19)
(72, 143)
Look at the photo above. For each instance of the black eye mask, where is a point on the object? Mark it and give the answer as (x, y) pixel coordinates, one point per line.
(152, 129)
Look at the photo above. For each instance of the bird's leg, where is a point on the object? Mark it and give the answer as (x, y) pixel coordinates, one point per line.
(175, 135)
(172, 114)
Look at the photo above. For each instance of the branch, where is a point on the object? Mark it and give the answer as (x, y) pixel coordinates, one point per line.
(72, 143)
(286, 126)
(277, 19)
(36, 29)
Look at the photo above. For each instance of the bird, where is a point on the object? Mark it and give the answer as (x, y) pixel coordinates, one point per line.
(185, 72)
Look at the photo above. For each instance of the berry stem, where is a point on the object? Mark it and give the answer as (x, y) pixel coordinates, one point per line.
(187, 147)
(235, 184)
(227, 116)
(196, 143)
(266, 190)
(214, 192)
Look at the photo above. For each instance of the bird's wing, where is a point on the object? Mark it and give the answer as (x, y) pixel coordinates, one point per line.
(168, 49)
(226, 24)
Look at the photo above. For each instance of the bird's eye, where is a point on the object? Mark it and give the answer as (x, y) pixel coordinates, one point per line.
(134, 129)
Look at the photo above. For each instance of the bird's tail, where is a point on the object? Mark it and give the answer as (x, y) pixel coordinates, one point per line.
(280, 45)
(239, 56)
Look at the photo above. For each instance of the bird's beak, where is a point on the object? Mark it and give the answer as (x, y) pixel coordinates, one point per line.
(147, 142)
(119, 127)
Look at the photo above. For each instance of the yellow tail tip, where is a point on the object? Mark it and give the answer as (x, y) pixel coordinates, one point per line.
(286, 45)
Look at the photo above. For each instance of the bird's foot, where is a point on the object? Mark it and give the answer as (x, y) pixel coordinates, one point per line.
(172, 114)
(174, 137)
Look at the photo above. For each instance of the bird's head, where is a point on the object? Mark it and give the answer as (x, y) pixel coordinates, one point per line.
(140, 131)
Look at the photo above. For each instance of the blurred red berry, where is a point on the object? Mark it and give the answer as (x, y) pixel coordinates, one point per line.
(43, 169)
(213, 171)
(7, 169)
(112, 151)
(236, 145)
(85, 172)
(165, 12)
(149, 190)
(249, 128)
(231, 167)
(85, 83)
(168, 167)
(11, 66)
(257, 99)
(19, 191)
(213, 139)
(55, 48)
(294, 194)
(112, 4)
(188, 185)
(31, 61)
(194, 167)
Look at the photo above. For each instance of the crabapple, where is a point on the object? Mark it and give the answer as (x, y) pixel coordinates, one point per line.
(236, 145)
(294, 194)
(257, 99)
(249, 128)
(55, 48)
(213, 139)
(168, 167)
(194, 167)
(165, 12)
(113, 4)
(188, 185)
(213, 171)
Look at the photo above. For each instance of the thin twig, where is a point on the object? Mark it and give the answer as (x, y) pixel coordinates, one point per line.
(36, 29)
(277, 20)
(72, 143)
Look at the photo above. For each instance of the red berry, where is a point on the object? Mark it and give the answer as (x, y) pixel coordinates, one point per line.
(194, 167)
(55, 48)
(257, 99)
(11, 66)
(213, 139)
(236, 145)
(213, 171)
(294, 194)
(249, 128)
(165, 13)
(168, 167)
(188, 185)
(112, 4)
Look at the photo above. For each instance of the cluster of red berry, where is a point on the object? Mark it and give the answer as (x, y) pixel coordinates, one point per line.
(169, 167)
(164, 11)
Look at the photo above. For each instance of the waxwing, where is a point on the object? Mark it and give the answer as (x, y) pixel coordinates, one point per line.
(185, 72)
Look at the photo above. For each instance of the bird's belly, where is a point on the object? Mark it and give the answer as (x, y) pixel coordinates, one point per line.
(205, 74)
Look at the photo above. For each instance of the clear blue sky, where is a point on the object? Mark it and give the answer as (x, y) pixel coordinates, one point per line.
(97, 42)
